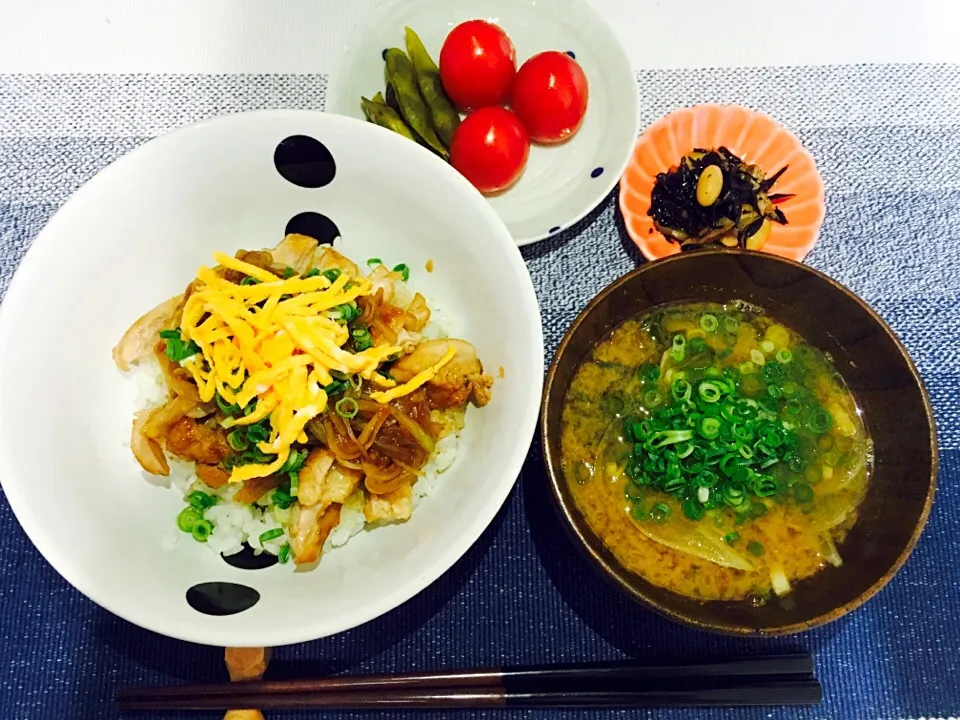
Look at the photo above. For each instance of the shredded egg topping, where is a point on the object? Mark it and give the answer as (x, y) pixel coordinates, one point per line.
(276, 342)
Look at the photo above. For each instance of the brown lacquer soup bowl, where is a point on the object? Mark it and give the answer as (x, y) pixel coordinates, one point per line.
(890, 399)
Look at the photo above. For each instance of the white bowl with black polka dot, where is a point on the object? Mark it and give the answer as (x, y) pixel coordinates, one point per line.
(134, 236)
(561, 183)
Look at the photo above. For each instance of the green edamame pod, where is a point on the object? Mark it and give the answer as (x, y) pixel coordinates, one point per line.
(380, 114)
(445, 117)
(391, 98)
(404, 80)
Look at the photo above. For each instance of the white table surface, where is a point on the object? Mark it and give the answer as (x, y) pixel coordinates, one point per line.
(303, 36)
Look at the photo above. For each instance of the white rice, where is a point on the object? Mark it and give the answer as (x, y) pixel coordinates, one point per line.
(236, 523)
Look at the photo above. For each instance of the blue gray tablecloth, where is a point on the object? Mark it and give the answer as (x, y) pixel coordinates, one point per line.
(887, 141)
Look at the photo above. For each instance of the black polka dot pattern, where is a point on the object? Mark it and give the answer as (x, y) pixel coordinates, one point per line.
(247, 559)
(572, 54)
(304, 161)
(314, 225)
(554, 229)
(596, 172)
(221, 598)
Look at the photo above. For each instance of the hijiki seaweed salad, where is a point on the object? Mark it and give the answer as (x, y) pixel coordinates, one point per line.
(712, 196)
(297, 399)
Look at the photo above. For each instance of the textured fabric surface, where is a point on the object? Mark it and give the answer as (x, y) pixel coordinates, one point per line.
(887, 142)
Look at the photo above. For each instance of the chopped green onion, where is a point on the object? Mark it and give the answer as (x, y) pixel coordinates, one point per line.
(718, 437)
(403, 270)
(249, 281)
(767, 346)
(294, 461)
(730, 323)
(288, 272)
(361, 339)
(784, 356)
(678, 348)
(793, 407)
(706, 479)
(660, 513)
(237, 439)
(271, 535)
(202, 530)
(337, 386)
(670, 437)
(331, 274)
(772, 371)
(225, 407)
(795, 462)
(755, 548)
(648, 373)
(282, 499)
(757, 357)
(674, 485)
(709, 391)
(175, 348)
(347, 407)
(731, 538)
(681, 390)
(346, 312)
(652, 398)
(732, 495)
(283, 556)
(802, 492)
(693, 509)
(696, 345)
(201, 500)
(294, 484)
(188, 518)
(820, 421)
(258, 432)
(709, 323)
(709, 427)
(773, 437)
(374, 261)
(312, 272)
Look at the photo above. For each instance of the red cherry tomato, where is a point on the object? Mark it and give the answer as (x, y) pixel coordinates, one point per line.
(550, 95)
(477, 65)
(490, 148)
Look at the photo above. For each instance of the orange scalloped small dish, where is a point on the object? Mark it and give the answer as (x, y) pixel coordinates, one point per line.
(757, 139)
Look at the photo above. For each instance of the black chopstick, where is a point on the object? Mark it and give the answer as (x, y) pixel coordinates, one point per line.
(781, 680)
(727, 693)
(512, 677)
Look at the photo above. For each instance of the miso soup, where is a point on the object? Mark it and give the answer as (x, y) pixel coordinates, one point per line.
(714, 451)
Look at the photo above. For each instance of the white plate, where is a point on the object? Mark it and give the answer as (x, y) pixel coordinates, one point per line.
(135, 235)
(563, 183)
